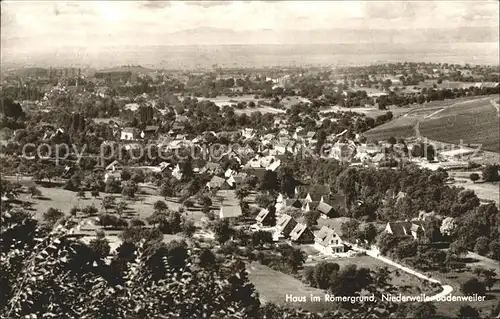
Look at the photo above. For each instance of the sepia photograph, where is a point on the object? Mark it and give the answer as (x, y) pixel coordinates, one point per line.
(249, 159)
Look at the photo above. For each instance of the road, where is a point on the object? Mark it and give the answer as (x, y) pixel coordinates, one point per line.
(447, 289)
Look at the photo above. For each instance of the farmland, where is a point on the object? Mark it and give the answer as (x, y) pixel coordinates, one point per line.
(471, 120)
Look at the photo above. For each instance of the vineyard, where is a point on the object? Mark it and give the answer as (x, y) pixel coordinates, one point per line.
(470, 121)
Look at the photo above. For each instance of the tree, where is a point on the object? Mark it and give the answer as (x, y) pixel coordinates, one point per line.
(474, 177)
(81, 194)
(100, 245)
(350, 229)
(121, 208)
(108, 202)
(430, 153)
(261, 237)
(73, 211)
(34, 191)
(481, 246)
(242, 193)
(188, 228)
(293, 258)
(369, 233)
(166, 190)
(90, 210)
(125, 175)
(473, 286)
(495, 249)
(207, 258)
(160, 206)
(107, 220)
(223, 231)
(457, 248)
(129, 189)
(312, 217)
(468, 312)
(490, 173)
(94, 193)
(112, 185)
(52, 215)
(324, 274)
(423, 310)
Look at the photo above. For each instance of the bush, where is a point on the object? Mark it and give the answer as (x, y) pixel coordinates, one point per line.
(473, 286)
(108, 220)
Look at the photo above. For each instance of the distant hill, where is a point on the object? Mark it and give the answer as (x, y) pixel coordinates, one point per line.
(126, 68)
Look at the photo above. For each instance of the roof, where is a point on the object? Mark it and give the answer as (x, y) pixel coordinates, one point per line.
(262, 215)
(217, 181)
(400, 229)
(284, 220)
(325, 236)
(151, 128)
(336, 201)
(298, 231)
(293, 202)
(230, 211)
(113, 164)
(324, 208)
(257, 172)
(181, 118)
(128, 130)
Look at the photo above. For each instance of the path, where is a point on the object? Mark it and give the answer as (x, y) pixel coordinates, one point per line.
(447, 289)
(496, 105)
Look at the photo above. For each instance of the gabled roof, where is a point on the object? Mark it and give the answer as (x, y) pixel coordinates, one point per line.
(295, 202)
(262, 215)
(129, 130)
(324, 208)
(400, 229)
(217, 181)
(151, 128)
(297, 232)
(284, 221)
(113, 164)
(325, 236)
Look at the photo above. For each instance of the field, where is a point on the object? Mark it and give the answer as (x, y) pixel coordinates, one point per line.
(471, 120)
(141, 207)
(485, 191)
(273, 286)
(261, 109)
(367, 111)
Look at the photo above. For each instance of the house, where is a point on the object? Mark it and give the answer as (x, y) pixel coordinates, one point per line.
(114, 166)
(216, 182)
(177, 173)
(150, 131)
(285, 224)
(301, 234)
(211, 168)
(328, 241)
(229, 211)
(264, 218)
(343, 151)
(128, 133)
(177, 128)
(293, 202)
(402, 229)
(324, 208)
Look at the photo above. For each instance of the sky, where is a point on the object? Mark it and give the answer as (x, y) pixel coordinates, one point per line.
(42, 25)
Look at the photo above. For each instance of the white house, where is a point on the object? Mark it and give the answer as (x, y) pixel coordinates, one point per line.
(128, 133)
(328, 242)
